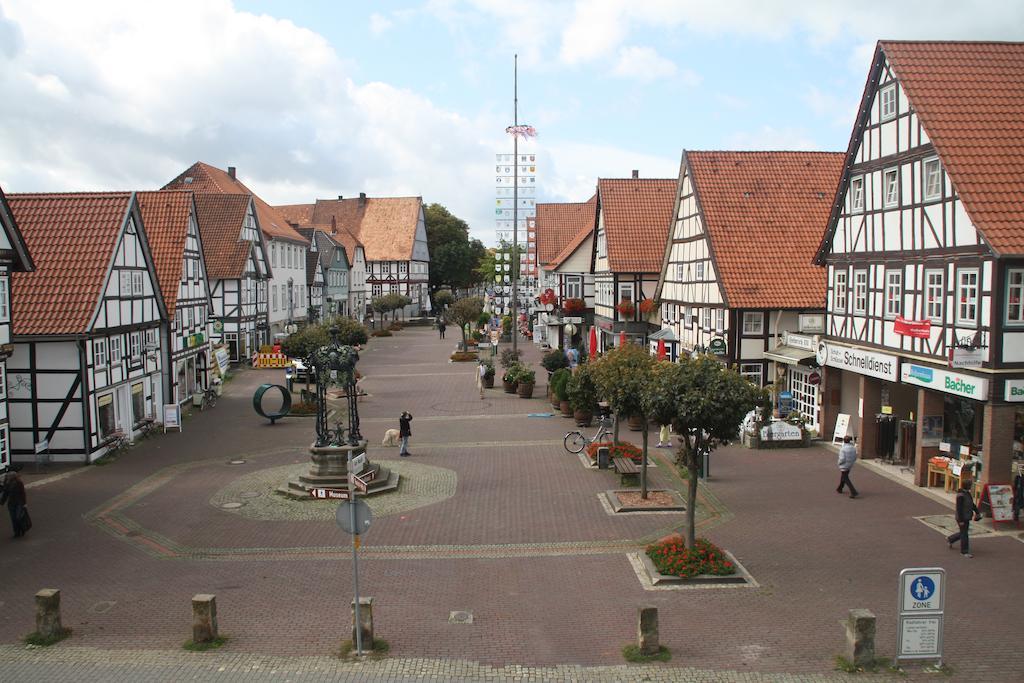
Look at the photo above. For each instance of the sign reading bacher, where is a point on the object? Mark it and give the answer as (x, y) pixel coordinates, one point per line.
(861, 361)
(943, 380)
(1014, 391)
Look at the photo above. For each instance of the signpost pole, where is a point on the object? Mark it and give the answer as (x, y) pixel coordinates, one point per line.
(355, 557)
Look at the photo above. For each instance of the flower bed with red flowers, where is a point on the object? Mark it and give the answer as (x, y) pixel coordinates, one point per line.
(618, 450)
(675, 559)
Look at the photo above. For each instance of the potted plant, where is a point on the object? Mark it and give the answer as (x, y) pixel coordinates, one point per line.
(508, 358)
(510, 379)
(626, 308)
(582, 395)
(574, 306)
(636, 423)
(559, 397)
(488, 374)
(506, 328)
(648, 307)
(554, 360)
(526, 379)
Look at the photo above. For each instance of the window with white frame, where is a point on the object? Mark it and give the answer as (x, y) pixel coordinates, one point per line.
(273, 297)
(115, 350)
(860, 291)
(126, 283)
(99, 353)
(135, 344)
(967, 296)
(1015, 296)
(626, 291)
(839, 291)
(933, 296)
(691, 315)
(3, 381)
(573, 287)
(680, 272)
(105, 413)
(752, 372)
(393, 288)
(273, 254)
(385, 267)
(369, 267)
(698, 269)
(705, 318)
(376, 290)
(891, 187)
(932, 178)
(5, 309)
(402, 267)
(893, 293)
(857, 194)
(137, 280)
(753, 322)
(719, 320)
(888, 102)
(602, 245)
(151, 336)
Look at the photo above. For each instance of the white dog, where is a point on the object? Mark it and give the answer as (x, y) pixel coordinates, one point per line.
(390, 438)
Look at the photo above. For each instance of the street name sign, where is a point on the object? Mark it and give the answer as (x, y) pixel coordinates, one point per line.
(329, 494)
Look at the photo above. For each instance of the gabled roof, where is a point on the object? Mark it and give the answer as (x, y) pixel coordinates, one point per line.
(558, 224)
(586, 229)
(762, 213)
(637, 213)
(71, 237)
(22, 259)
(296, 214)
(165, 217)
(969, 97)
(221, 217)
(314, 259)
(386, 226)
(201, 177)
(325, 248)
(345, 238)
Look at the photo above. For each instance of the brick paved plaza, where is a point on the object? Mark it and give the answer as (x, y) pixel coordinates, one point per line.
(495, 519)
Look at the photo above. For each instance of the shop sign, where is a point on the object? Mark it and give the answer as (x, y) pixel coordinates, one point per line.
(781, 431)
(1013, 391)
(920, 329)
(964, 357)
(948, 382)
(717, 346)
(799, 341)
(861, 361)
(811, 322)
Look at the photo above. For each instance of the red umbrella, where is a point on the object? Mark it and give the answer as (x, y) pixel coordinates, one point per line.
(622, 338)
(661, 349)
(593, 343)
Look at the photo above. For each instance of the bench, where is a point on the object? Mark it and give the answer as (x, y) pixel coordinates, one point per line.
(627, 469)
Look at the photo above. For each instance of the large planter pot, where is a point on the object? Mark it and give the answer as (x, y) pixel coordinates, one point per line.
(509, 387)
(489, 382)
(564, 407)
(555, 403)
(636, 423)
(583, 417)
(525, 390)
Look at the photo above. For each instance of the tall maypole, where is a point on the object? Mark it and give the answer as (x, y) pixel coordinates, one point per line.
(516, 131)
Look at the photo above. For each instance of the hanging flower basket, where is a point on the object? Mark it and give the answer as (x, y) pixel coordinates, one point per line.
(626, 308)
(574, 306)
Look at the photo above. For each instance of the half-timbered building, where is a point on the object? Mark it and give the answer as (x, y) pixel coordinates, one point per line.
(14, 256)
(235, 253)
(314, 279)
(564, 232)
(86, 367)
(924, 251)
(630, 232)
(173, 230)
(357, 289)
(738, 279)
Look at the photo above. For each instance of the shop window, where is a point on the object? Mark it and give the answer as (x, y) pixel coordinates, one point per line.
(891, 184)
(138, 403)
(888, 102)
(857, 194)
(934, 293)
(752, 372)
(805, 394)
(860, 291)
(753, 322)
(839, 291)
(1015, 297)
(105, 413)
(893, 293)
(967, 297)
(932, 179)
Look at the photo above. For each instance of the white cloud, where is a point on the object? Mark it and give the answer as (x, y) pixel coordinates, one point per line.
(775, 139)
(570, 170)
(379, 24)
(643, 64)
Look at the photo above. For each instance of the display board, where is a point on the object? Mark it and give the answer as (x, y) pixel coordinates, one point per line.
(1000, 500)
(172, 416)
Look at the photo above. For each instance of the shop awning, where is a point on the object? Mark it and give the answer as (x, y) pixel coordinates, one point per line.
(665, 333)
(791, 355)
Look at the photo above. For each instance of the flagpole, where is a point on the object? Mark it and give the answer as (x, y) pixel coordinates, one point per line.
(515, 205)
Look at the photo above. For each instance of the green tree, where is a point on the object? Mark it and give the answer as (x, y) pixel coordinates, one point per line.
(705, 402)
(348, 331)
(622, 376)
(303, 342)
(454, 257)
(442, 298)
(464, 311)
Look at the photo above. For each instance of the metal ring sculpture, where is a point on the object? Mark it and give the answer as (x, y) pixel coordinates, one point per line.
(286, 405)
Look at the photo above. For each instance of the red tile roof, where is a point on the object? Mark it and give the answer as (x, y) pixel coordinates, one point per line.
(165, 216)
(221, 217)
(200, 177)
(558, 224)
(71, 237)
(637, 212)
(970, 99)
(586, 230)
(386, 226)
(764, 212)
(296, 214)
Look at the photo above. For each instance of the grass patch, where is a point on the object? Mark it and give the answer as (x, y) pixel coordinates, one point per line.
(376, 651)
(877, 665)
(39, 641)
(214, 644)
(632, 653)
(943, 669)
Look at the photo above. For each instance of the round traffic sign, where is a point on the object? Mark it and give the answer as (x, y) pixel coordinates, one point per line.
(814, 379)
(363, 516)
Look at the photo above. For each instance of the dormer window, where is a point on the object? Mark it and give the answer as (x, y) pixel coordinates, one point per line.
(888, 98)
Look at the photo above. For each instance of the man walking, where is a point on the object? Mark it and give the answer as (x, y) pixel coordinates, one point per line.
(847, 456)
(404, 431)
(481, 373)
(440, 327)
(965, 510)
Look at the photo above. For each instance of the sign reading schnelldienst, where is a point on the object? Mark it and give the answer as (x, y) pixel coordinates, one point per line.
(861, 361)
(921, 604)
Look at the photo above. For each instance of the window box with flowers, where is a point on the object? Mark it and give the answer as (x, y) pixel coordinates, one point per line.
(574, 306)
(626, 308)
(648, 307)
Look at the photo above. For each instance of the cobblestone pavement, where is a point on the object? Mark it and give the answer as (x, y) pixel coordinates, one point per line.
(517, 536)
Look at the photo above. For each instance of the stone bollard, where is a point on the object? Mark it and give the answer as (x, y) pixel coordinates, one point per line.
(366, 622)
(48, 613)
(647, 631)
(204, 618)
(860, 637)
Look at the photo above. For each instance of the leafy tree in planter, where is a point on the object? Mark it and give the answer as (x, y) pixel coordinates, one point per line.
(554, 360)
(622, 376)
(705, 402)
(348, 331)
(442, 298)
(582, 390)
(464, 311)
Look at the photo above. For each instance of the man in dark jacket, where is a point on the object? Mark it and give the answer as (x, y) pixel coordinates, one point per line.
(965, 510)
(405, 431)
(14, 495)
(441, 327)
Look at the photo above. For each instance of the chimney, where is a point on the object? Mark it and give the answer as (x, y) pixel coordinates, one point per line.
(362, 198)
(636, 174)
(231, 172)
(334, 226)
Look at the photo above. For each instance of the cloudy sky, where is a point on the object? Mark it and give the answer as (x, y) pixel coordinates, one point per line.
(315, 99)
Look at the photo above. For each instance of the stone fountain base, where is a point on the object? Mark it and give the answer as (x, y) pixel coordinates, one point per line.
(329, 469)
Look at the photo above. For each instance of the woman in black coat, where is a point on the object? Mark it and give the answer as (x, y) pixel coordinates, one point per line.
(14, 495)
(404, 431)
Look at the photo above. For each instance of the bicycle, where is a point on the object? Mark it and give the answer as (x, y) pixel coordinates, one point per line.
(150, 428)
(575, 441)
(209, 399)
